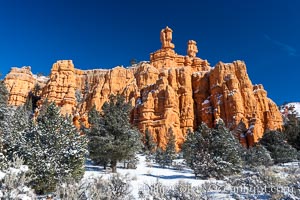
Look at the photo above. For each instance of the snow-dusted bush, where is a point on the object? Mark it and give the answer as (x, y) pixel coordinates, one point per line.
(14, 181)
(271, 183)
(116, 187)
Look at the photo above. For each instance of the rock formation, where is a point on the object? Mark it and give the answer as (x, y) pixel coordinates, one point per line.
(20, 82)
(170, 93)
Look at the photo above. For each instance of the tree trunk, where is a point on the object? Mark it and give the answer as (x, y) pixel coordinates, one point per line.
(113, 166)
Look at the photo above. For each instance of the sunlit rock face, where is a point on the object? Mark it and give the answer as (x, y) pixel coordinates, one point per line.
(171, 93)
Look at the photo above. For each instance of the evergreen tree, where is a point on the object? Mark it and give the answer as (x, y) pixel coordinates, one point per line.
(292, 134)
(170, 152)
(4, 113)
(278, 147)
(188, 147)
(292, 131)
(291, 126)
(120, 140)
(19, 121)
(149, 144)
(226, 150)
(98, 139)
(257, 155)
(159, 157)
(212, 152)
(53, 149)
(3, 93)
(4, 110)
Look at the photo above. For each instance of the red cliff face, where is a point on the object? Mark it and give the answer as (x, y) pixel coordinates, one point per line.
(170, 93)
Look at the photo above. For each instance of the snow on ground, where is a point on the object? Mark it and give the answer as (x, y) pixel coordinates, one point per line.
(150, 174)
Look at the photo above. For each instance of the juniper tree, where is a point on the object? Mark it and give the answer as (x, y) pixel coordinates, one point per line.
(113, 129)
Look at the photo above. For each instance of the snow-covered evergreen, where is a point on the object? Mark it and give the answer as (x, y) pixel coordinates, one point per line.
(18, 121)
(52, 148)
(256, 156)
(213, 152)
(5, 112)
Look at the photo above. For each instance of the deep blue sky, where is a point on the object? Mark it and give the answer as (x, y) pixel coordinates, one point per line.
(105, 33)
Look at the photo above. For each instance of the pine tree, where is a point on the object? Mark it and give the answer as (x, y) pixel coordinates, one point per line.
(275, 142)
(122, 141)
(53, 149)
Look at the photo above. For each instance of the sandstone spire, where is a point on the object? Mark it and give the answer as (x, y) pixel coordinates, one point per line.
(192, 49)
(166, 38)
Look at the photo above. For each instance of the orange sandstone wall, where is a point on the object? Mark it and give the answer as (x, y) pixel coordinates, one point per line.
(171, 92)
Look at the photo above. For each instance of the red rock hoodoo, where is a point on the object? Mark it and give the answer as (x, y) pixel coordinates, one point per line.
(170, 92)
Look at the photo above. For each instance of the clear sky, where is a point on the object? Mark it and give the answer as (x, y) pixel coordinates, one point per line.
(105, 33)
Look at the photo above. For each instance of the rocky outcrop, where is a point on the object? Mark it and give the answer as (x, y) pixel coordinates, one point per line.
(171, 93)
(20, 82)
